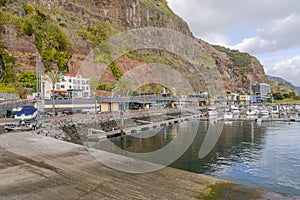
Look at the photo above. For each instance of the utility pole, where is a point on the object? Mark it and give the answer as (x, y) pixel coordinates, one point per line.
(40, 70)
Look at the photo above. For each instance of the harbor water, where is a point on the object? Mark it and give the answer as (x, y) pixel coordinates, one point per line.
(263, 155)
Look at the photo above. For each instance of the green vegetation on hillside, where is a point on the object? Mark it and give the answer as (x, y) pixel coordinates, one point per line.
(4, 88)
(161, 5)
(239, 59)
(51, 42)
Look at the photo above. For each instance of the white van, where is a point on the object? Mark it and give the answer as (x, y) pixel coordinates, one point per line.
(91, 109)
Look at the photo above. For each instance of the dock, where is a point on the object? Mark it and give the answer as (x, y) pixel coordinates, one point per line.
(94, 134)
(37, 167)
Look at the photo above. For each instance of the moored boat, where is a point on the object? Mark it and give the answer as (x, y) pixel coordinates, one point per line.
(275, 109)
(235, 110)
(212, 112)
(264, 111)
(252, 111)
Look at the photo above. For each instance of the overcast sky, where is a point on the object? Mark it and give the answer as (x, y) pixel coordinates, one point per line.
(267, 29)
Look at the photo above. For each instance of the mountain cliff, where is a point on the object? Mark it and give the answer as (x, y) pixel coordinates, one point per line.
(64, 32)
(277, 80)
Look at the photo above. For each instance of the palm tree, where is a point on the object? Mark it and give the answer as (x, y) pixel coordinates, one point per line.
(53, 77)
(124, 85)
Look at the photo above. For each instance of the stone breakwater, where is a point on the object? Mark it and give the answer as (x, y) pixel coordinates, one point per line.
(72, 128)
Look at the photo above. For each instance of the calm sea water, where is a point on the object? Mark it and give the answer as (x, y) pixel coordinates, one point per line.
(263, 155)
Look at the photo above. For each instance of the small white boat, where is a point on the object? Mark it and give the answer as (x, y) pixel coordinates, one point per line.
(275, 109)
(212, 112)
(228, 115)
(235, 110)
(264, 111)
(252, 111)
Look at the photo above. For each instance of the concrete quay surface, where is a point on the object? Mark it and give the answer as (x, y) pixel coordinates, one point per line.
(37, 167)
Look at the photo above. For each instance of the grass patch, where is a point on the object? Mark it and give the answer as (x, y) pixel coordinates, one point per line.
(4, 88)
(289, 100)
(230, 191)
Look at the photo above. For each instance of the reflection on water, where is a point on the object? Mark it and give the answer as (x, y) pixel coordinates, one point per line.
(263, 155)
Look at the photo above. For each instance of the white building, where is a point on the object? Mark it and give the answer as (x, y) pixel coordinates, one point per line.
(265, 90)
(71, 85)
(261, 91)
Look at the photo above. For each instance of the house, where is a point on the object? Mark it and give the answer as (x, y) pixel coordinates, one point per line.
(70, 86)
(244, 99)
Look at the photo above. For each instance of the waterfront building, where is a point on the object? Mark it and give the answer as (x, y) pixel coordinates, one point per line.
(232, 98)
(265, 90)
(70, 86)
(107, 102)
(261, 91)
(244, 99)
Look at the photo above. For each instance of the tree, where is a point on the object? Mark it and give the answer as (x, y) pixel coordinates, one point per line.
(156, 89)
(94, 84)
(278, 96)
(53, 78)
(3, 2)
(124, 85)
(144, 88)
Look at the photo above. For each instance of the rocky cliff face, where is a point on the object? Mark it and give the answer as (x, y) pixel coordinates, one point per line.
(80, 25)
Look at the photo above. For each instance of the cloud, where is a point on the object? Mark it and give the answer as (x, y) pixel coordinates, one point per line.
(279, 35)
(285, 67)
(275, 23)
(217, 39)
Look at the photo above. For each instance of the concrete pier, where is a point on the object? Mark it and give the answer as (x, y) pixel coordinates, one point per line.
(37, 167)
(99, 134)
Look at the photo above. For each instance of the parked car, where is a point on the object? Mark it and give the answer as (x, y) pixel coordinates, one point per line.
(91, 109)
(67, 112)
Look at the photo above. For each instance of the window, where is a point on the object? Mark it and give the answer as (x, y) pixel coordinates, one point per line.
(62, 86)
(70, 80)
(83, 82)
(70, 87)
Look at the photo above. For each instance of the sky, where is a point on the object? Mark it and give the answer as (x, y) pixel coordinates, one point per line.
(267, 29)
